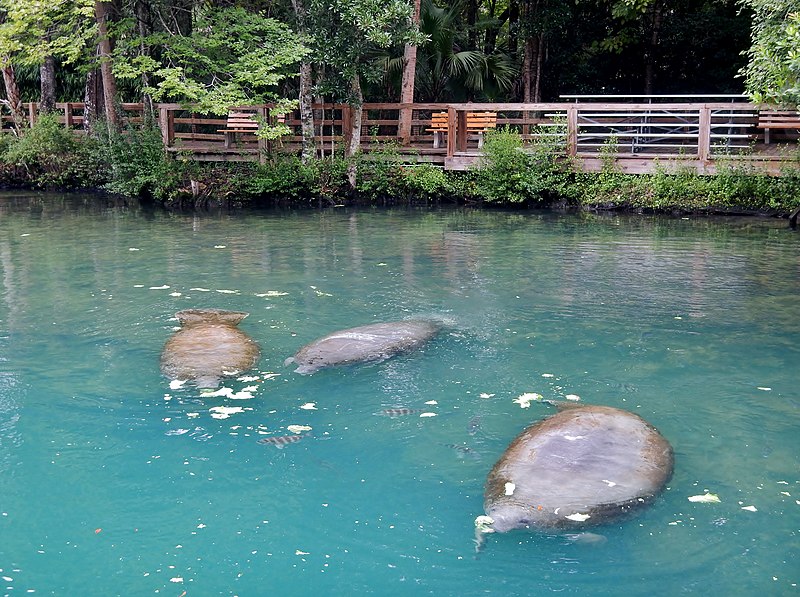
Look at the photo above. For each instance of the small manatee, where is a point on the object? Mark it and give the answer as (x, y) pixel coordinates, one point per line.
(375, 342)
(208, 347)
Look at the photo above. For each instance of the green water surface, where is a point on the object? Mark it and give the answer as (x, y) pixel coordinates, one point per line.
(114, 483)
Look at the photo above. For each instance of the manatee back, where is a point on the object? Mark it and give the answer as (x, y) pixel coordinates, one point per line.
(582, 465)
(208, 346)
(373, 342)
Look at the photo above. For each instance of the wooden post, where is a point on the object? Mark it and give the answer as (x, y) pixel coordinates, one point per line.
(704, 137)
(572, 130)
(263, 144)
(461, 131)
(166, 122)
(32, 112)
(68, 122)
(451, 131)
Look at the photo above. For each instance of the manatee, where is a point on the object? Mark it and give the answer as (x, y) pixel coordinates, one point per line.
(585, 465)
(375, 342)
(207, 347)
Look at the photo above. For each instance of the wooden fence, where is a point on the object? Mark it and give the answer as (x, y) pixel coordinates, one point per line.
(637, 134)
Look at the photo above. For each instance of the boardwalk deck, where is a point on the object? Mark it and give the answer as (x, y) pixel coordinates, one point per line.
(637, 133)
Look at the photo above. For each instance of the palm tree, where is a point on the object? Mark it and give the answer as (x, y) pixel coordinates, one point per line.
(450, 72)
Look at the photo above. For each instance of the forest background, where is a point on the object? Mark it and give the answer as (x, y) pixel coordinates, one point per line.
(218, 54)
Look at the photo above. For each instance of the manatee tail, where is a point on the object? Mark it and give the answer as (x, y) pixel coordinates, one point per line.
(219, 316)
(207, 382)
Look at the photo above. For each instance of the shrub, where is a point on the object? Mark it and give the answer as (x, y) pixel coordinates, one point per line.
(500, 177)
(283, 178)
(53, 156)
(327, 177)
(379, 174)
(512, 173)
(140, 167)
(426, 181)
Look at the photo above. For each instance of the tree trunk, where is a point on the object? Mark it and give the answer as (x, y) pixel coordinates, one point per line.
(92, 104)
(144, 28)
(513, 27)
(13, 98)
(650, 55)
(532, 66)
(527, 66)
(47, 74)
(309, 148)
(407, 86)
(101, 12)
(472, 18)
(354, 141)
(537, 79)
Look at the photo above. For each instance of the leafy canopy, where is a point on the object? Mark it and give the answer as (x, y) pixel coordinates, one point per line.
(30, 30)
(232, 57)
(773, 72)
(349, 34)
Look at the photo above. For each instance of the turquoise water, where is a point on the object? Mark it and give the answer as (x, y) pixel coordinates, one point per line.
(114, 483)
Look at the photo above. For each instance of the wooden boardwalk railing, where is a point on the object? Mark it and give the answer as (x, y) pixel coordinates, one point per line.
(637, 135)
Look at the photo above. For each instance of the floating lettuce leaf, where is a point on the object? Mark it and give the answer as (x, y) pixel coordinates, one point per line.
(706, 498)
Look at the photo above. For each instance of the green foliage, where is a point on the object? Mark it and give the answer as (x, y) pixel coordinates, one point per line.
(681, 189)
(773, 71)
(283, 178)
(347, 36)
(452, 71)
(500, 177)
(380, 173)
(328, 177)
(511, 173)
(31, 30)
(53, 157)
(233, 57)
(550, 173)
(140, 167)
(46, 142)
(427, 181)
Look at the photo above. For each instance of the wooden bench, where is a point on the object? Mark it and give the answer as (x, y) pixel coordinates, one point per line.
(777, 119)
(477, 122)
(438, 128)
(480, 122)
(238, 122)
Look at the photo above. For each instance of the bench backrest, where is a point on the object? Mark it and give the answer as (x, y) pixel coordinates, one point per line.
(778, 116)
(439, 121)
(481, 120)
(242, 121)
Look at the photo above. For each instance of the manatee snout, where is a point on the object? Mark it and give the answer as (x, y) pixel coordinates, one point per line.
(508, 518)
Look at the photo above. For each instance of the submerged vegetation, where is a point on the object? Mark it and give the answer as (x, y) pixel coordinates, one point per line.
(134, 164)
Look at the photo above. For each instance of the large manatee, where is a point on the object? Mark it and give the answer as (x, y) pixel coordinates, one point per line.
(207, 347)
(375, 342)
(583, 466)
